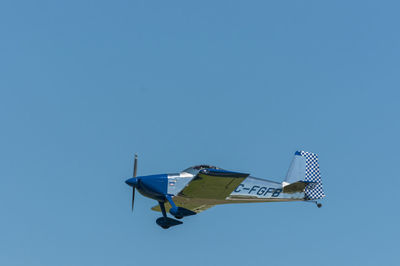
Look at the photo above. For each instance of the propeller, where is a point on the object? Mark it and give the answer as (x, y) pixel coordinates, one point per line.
(134, 175)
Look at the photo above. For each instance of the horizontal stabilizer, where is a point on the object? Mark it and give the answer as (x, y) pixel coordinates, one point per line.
(296, 187)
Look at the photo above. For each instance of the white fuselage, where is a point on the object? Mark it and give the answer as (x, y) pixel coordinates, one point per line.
(252, 188)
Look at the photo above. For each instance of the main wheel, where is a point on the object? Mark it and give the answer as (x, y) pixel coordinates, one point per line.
(165, 226)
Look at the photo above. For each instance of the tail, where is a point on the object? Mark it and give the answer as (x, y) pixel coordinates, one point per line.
(305, 168)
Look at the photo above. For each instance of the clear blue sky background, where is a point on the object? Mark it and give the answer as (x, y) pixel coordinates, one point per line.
(238, 84)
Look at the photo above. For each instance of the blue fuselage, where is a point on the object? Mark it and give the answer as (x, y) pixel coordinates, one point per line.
(151, 186)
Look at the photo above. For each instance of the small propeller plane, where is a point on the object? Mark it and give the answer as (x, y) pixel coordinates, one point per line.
(200, 187)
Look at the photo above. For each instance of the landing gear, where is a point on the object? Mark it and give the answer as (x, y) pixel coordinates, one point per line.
(178, 212)
(163, 222)
(163, 226)
(319, 205)
(166, 222)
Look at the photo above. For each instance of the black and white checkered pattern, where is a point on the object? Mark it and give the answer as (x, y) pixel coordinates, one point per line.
(313, 175)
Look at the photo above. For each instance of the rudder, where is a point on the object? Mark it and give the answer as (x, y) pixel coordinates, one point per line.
(314, 191)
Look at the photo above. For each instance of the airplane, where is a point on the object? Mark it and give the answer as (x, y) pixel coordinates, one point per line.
(201, 187)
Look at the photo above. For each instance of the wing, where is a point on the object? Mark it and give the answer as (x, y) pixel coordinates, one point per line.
(214, 184)
(196, 205)
(210, 187)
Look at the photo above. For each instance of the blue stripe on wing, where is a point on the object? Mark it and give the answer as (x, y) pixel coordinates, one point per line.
(222, 173)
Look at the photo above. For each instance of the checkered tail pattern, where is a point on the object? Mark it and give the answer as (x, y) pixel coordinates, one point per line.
(312, 191)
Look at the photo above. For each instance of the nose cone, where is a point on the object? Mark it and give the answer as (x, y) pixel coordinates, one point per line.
(151, 186)
(132, 181)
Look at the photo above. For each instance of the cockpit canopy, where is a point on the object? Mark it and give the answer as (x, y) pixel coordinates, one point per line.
(204, 166)
(197, 168)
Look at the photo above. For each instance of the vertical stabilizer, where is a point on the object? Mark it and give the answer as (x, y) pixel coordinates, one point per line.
(297, 170)
(305, 167)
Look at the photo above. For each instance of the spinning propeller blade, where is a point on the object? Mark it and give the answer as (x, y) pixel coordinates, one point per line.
(135, 166)
(133, 197)
(134, 175)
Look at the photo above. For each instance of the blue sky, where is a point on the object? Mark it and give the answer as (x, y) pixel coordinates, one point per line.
(238, 84)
